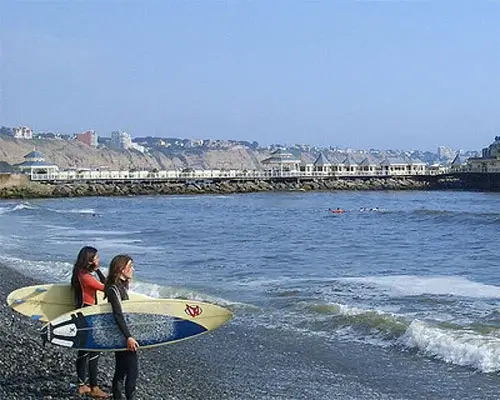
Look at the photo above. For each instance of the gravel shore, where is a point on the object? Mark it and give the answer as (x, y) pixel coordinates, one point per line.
(30, 370)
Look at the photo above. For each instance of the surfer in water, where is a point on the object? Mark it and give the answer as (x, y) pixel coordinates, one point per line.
(120, 274)
(85, 286)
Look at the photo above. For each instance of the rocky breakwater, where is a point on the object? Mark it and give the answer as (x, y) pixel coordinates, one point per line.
(39, 190)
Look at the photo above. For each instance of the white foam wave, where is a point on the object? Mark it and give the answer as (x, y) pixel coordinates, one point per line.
(88, 232)
(92, 232)
(60, 272)
(459, 347)
(4, 210)
(17, 207)
(411, 285)
(23, 206)
(49, 271)
(104, 244)
(89, 211)
(121, 244)
(169, 292)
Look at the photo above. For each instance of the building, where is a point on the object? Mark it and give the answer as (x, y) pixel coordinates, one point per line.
(281, 161)
(445, 152)
(459, 163)
(22, 132)
(121, 140)
(34, 163)
(490, 160)
(88, 137)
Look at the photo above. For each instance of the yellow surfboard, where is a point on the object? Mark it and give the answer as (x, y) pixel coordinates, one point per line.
(151, 323)
(46, 302)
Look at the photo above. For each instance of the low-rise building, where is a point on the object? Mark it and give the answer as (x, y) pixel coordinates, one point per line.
(342, 165)
(34, 163)
(22, 132)
(490, 160)
(88, 137)
(121, 140)
(281, 161)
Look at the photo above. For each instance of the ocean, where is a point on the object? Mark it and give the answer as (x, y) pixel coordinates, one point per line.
(398, 302)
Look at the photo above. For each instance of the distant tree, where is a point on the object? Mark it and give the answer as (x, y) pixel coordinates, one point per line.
(4, 130)
(6, 167)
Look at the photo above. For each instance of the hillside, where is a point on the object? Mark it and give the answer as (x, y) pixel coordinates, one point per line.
(71, 153)
(68, 154)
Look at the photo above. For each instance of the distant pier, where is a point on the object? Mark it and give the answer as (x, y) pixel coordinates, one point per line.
(175, 176)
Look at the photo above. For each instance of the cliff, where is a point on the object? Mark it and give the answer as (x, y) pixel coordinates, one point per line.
(66, 154)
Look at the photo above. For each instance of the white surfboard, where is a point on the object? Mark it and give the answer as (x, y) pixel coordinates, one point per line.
(152, 323)
(46, 302)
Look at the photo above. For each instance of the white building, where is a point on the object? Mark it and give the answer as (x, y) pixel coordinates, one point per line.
(122, 140)
(34, 163)
(22, 132)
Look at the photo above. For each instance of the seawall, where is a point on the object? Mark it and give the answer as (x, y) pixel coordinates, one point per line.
(13, 180)
(45, 190)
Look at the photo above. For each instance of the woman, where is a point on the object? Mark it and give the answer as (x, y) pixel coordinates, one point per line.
(85, 286)
(116, 290)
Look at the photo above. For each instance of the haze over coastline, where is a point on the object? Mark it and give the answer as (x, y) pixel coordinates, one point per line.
(359, 74)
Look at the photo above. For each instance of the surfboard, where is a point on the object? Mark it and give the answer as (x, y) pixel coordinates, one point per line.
(152, 323)
(46, 302)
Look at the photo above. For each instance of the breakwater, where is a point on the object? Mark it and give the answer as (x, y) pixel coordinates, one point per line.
(80, 189)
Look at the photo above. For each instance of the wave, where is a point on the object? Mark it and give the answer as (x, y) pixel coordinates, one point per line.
(414, 285)
(4, 210)
(85, 211)
(24, 206)
(426, 211)
(71, 231)
(60, 272)
(170, 292)
(459, 347)
(475, 345)
(45, 271)
(17, 207)
(29, 206)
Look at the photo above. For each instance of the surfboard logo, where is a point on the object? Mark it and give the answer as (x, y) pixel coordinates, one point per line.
(193, 311)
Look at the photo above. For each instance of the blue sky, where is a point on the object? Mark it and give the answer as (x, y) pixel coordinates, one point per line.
(402, 75)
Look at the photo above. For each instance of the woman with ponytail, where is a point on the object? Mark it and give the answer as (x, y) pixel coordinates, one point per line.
(85, 287)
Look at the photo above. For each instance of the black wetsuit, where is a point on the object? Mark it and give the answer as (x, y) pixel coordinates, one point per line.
(85, 358)
(126, 363)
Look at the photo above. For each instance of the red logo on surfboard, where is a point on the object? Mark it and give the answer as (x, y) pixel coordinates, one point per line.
(193, 311)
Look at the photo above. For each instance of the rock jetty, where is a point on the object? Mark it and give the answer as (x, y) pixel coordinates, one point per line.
(45, 190)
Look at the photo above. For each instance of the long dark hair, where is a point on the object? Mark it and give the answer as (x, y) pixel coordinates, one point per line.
(84, 262)
(118, 264)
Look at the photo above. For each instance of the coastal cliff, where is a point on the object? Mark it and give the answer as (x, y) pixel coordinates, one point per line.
(71, 153)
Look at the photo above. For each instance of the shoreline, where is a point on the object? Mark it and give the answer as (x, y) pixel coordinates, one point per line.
(33, 190)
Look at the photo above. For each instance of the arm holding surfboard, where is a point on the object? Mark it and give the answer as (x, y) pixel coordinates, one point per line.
(114, 298)
(116, 289)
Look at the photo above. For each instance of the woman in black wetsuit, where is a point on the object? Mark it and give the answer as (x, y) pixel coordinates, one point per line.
(116, 290)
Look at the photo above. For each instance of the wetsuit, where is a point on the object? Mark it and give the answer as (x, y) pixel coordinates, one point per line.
(126, 363)
(86, 295)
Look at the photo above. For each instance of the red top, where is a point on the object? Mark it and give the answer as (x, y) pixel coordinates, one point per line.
(89, 286)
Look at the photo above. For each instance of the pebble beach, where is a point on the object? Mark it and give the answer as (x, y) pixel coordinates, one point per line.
(31, 370)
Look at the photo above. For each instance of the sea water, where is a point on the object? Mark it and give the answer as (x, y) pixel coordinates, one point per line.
(395, 298)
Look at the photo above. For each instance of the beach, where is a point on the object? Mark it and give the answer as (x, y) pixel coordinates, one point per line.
(31, 370)
(358, 306)
(229, 363)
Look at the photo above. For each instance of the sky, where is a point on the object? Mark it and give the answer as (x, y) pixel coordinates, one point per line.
(355, 74)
